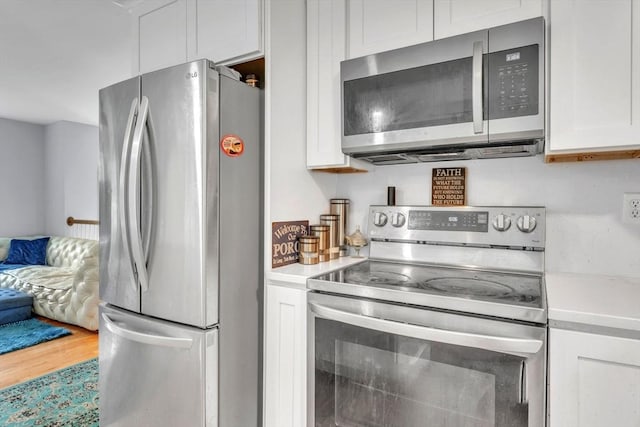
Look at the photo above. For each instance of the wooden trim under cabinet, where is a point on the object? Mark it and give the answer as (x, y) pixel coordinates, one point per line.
(344, 169)
(584, 157)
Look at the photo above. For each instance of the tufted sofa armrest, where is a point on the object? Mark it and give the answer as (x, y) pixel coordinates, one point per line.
(5, 242)
(82, 255)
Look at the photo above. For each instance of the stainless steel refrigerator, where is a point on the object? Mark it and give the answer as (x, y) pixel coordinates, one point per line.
(180, 243)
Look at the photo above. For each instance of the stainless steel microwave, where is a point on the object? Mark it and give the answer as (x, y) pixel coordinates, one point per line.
(477, 95)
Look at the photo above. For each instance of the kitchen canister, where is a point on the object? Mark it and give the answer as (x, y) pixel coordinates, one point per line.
(341, 207)
(308, 250)
(322, 232)
(332, 221)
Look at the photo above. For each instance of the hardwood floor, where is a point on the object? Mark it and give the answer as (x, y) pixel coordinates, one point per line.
(32, 362)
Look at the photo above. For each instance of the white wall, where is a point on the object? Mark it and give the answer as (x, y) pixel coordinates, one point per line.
(291, 192)
(585, 233)
(71, 157)
(22, 178)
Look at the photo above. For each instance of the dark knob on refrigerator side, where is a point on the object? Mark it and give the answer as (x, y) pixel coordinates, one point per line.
(379, 219)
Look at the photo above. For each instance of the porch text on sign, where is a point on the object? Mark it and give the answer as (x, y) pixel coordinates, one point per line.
(448, 187)
(284, 241)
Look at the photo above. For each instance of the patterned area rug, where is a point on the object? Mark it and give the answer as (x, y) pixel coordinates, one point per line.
(68, 397)
(17, 335)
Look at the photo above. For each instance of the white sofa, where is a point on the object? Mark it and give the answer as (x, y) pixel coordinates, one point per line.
(66, 289)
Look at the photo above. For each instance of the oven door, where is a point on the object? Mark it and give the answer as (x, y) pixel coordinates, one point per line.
(380, 364)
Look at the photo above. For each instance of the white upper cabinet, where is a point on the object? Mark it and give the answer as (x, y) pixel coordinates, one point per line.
(379, 25)
(225, 31)
(594, 380)
(326, 47)
(452, 17)
(161, 27)
(170, 32)
(594, 79)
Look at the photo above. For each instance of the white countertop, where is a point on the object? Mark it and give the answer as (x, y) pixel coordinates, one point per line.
(295, 275)
(583, 299)
(605, 301)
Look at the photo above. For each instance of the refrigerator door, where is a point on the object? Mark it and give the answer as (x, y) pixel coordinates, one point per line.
(119, 107)
(179, 195)
(155, 373)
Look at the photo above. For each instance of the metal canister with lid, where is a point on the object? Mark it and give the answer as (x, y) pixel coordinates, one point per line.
(308, 250)
(322, 231)
(332, 221)
(340, 207)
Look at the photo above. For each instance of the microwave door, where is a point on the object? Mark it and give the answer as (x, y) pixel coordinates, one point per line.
(516, 89)
(430, 94)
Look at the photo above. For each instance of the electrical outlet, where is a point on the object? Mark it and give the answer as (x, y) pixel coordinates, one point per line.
(631, 208)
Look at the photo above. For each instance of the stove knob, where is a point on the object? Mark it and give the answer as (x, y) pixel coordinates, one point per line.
(398, 219)
(526, 223)
(501, 222)
(379, 219)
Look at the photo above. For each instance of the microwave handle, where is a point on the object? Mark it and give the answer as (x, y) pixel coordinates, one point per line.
(476, 88)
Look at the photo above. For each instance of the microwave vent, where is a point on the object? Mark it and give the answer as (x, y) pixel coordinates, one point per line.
(495, 151)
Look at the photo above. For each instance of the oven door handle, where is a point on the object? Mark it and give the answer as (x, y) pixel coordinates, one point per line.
(515, 346)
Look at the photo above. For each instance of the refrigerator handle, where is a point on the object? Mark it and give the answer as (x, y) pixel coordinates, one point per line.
(123, 184)
(145, 338)
(133, 193)
(148, 212)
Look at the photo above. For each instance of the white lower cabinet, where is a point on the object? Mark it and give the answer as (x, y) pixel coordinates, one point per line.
(594, 380)
(285, 351)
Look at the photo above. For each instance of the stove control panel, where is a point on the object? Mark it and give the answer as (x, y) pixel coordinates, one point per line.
(472, 226)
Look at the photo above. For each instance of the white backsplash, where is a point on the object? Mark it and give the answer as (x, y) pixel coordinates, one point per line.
(585, 233)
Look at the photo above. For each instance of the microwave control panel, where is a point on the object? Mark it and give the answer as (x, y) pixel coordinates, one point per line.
(513, 82)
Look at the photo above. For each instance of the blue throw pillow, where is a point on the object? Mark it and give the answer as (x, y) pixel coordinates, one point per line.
(28, 252)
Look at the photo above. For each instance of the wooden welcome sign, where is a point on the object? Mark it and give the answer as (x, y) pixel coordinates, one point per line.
(284, 241)
(448, 187)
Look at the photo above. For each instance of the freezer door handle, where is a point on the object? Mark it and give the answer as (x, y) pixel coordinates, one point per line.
(123, 184)
(145, 338)
(137, 250)
(507, 345)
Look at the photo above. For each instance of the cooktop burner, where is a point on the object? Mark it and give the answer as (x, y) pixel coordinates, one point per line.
(464, 285)
(380, 278)
(470, 284)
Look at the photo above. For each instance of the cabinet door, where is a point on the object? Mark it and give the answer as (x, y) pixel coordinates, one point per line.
(326, 47)
(379, 25)
(161, 30)
(594, 380)
(452, 17)
(225, 31)
(594, 76)
(285, 384)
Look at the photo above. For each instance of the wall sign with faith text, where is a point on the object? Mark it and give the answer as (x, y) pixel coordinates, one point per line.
(448, 187)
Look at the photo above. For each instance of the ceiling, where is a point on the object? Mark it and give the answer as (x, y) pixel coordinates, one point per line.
(56, 54)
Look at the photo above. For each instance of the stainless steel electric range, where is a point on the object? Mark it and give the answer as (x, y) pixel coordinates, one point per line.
(444, 324)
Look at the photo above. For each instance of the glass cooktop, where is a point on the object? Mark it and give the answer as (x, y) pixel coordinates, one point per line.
(500, 294)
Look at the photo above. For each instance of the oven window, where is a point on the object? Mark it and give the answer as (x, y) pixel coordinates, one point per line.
(369, 378)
